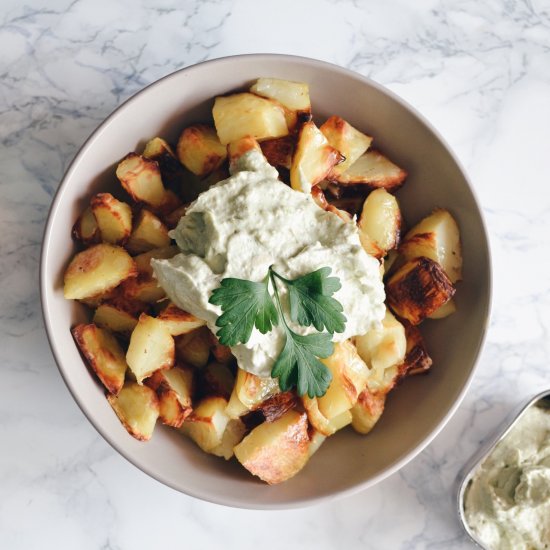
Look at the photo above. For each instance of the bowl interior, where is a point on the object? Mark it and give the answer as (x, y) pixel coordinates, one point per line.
(415, 411)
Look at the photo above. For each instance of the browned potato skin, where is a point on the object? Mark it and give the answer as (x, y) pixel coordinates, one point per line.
(279, 151)
(368, 410)
(172, 171)
(236, 149)
(193, 348)
(418, 289)
(113, 217)
(143, 288)
(118, 314)
(179, 321)
(100, 257)
(149, 402)
(148, 233)
(85, 229)
(319, 197)
(104, 355)
(417, 360)
(200, 150)
(277, 405)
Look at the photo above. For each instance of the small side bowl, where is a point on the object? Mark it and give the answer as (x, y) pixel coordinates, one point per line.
(478, 458)
(415, 412)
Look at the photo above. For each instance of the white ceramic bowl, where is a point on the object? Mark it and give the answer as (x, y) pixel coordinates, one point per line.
(415, 411)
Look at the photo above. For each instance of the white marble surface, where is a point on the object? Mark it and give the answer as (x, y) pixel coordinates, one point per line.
(479, 71)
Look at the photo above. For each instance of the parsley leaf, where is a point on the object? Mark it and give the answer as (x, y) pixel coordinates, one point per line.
(311, 301)
(298, 364)
(245, 304)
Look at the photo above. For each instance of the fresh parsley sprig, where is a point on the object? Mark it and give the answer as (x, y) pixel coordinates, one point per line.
(247, 304)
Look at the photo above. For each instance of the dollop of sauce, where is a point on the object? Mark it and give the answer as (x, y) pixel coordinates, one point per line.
(250, 221)
(507, 504)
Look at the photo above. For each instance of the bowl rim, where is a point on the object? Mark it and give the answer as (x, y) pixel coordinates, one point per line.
(227, 500)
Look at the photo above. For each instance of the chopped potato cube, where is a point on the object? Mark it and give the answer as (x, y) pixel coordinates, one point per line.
(313, 159)
(174, 388)
(104, 355)
(275, 406)
(148, 233)
(118, 315)
(276, 451)
(418, 289)
(278, 152)
(367, 411)
(200, 150)
(97, 270)
(178, 321)
(143, 261)
(141, 179)
(380, 223)
(236, 149)
(137, 408)
(320, 422)
(85, 228)
(293, 95)
(114, 218)
(240, 115)
(436, 237)
(253, 390)
(193, 348)
(417, 360)
(217, 379)
(143, 288)
(151, 348)
(373, 170)
(345, 138)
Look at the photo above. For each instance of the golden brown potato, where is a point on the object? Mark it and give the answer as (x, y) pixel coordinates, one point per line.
(436, 237)
(275, 406)
(157, 148)
(373, 170)
(235, 408)
(178, 321)
(417, 360)
(143, 261)
(240, 115)
(118, 315)
(151, 348)
(104, 355)
(85, 228)
(349, 378)
(313, 159)
(137, 408)
(276, 451)
(143, 288)
(418, 289)
(252, 390)
(320, 422)
(367, 411)
(141, 179)
(380, 223)
(148, 233)
(200, 150)
(236, 149)
(345, 138)
(292, 95)
(113, 217)
(278, 152)
(193, 348)
(174, 388)
(383, 349)
(97, 270)
(319, 197)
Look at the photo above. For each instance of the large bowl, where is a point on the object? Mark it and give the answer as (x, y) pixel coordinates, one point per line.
(415, 412)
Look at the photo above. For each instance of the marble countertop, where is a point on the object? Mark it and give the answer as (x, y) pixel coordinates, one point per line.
(479, 71)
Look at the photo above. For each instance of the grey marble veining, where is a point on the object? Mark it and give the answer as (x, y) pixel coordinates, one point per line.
(479, 71)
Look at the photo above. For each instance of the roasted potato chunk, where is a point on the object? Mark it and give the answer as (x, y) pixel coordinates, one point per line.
(418, 289)
(97, 270)
(137, 407)
(320, 422)
(151, 348)
(114, 218)
(275, 406)
(292, 95)
(349, 378)
(253, 390)
(345, 138)
(85, 228)
(383, 349)
(373, 170)
(118, 315)
(313, 159)
(278, 152)
(216, 379)
(417, 360)
(143, 261)
(174, 388)
(276, 451)
(380, 223)
(193, 348)
(367, 411)
(236, 149)
(141, 179)
(178, 321)
(319, 197)
(148, 233)
(143, 288)
(200, 150)
(436, 237)
(104, 355)
(240, 115)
